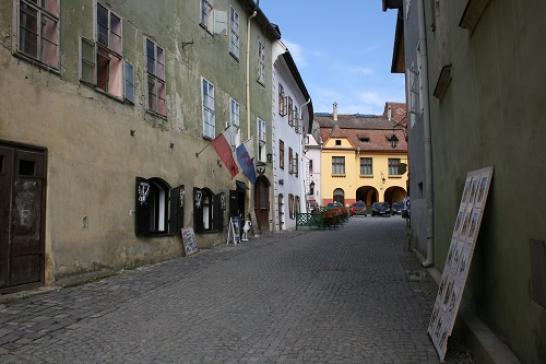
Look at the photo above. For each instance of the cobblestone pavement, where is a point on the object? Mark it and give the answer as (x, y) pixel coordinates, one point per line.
(345, 296)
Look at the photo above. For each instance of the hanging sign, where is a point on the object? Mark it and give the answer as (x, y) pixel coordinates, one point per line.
(461, 250)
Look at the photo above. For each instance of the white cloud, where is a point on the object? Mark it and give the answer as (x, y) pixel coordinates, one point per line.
(296, 50)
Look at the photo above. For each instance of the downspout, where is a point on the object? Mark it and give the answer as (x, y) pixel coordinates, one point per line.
(254, 14)
(429, 261)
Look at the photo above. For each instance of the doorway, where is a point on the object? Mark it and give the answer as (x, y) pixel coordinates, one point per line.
(22, 215)
(261, 203)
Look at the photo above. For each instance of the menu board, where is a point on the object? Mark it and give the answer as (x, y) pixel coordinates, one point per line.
(461, 250)
(189, 241)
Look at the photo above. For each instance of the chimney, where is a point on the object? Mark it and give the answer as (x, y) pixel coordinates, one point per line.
(334, 114)
(389, 112)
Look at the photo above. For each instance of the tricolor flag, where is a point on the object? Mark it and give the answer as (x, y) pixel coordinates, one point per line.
(245, 153)
(225, 152)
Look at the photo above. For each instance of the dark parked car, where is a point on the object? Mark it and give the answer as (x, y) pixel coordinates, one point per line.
(398, 208)
(381, 209)
(334, 205)
(358, 208)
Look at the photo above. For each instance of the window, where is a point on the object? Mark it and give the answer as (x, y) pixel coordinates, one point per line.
(234, 117)
(38, 31)
(291, 209)
(155, 66)
(297, 165)
(310, 166)
(209, 119)
(394, 166)
(159, 210)
(208, 211)
(364, 139)
(282, 101)
(281, 154)
(297, 205)
(109, 63)
(338, 166)
(312, 189)
(234, 113)
(296, 119)
(290, 161)
(290, 110)
(207, 16)
(261, 62)
(366, 167)
(338, 142)
(262, 157)
(234, 44)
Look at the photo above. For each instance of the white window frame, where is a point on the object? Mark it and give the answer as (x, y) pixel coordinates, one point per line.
(261, 62)
(109, 31)
(339, 159)
(234, 35)
(397, 161)
(262, 142)
(234, 121)
(366, 165)
(207, 22)
(16, 28)
(208, 108)
(155, 76)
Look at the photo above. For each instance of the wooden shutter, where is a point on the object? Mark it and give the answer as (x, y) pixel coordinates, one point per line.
(129, 89)
(197, 203)
(176, 209)
(88, 57)
(218, 213)
(142, 206)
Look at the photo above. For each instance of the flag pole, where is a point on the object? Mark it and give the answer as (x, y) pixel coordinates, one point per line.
(202, 150)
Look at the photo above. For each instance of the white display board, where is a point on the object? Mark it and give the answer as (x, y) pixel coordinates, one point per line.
(189, 242)
(461, 250)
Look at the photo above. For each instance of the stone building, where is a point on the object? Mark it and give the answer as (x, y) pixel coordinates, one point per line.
(477, 73)
(108, 110)
(362, 158)
(292, 116)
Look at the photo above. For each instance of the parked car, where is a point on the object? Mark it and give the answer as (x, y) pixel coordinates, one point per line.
(358, 208)
(398, 208)
(381, 209)
(334, 205)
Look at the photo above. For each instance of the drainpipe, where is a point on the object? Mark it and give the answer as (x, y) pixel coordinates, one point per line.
(254, 14)
(429, 261)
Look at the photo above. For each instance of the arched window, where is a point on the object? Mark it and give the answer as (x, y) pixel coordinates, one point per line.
(208, 210)
(281, 211)
(291, 206)
(312, 189)
(159, 210)
(339, 195)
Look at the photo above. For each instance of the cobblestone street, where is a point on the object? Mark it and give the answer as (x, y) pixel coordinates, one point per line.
(344, 296)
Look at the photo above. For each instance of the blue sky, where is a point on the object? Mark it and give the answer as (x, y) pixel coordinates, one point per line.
(343, 51)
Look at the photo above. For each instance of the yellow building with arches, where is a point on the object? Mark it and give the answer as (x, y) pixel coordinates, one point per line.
(363, 158)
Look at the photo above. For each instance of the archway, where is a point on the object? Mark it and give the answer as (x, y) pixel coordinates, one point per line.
(368, 194)
(339, 196)
(395, 194)
(261, 203)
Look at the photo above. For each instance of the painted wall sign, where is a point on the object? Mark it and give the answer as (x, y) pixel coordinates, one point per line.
(189, 241)
(461, 250)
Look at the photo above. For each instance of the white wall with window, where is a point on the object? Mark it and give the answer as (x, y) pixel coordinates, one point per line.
(312, 171)
(290, 116)
(234, 36)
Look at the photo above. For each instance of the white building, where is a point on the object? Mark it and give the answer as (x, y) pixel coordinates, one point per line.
(312, 176)
(292, 117)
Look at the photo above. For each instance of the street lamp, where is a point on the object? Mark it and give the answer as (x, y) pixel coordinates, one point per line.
(393, 140)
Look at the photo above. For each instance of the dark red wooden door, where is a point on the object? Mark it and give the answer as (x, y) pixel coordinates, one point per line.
(261, 200)
(22, 209)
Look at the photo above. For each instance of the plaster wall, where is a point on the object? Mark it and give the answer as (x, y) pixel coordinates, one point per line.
(92, 157)
(291, 184)
(492, 115)
(352, 180)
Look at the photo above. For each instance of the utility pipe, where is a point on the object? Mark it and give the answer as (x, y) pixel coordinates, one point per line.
(429, 261)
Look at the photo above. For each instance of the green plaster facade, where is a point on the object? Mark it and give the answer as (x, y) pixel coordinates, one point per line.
(492, 114)
(97, 145)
